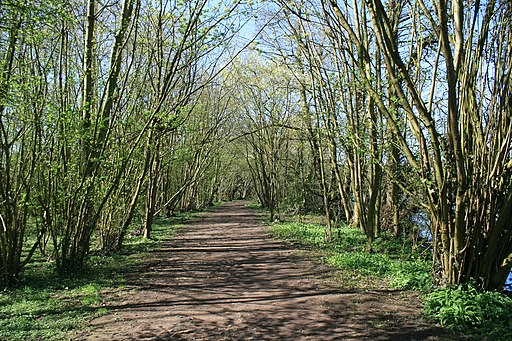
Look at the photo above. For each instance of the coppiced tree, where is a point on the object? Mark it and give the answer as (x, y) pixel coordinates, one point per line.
(464, 161)
(187, 34)
(90, 95)
(87, 172)
(449, 81)
(346, 127)
(424, 95)
(24, 106)
(266, 98)
(234, 181)
(204, 142)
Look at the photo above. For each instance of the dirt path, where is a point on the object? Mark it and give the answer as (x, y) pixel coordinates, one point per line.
(224, 278)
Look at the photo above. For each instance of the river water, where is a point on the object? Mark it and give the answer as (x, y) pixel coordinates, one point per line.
(508, 284)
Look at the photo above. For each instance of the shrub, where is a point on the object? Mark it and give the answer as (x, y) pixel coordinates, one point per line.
(465, 308)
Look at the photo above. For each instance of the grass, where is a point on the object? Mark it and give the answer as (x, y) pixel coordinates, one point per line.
(464, 310)
(45, 306)
(392, 261)
(254, 205)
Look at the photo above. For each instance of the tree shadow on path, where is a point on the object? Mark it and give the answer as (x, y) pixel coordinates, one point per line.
(224, 278)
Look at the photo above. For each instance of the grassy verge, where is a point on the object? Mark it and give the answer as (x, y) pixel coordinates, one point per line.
(255, 205)
(464, 309)
(45, 306)
(391, 262)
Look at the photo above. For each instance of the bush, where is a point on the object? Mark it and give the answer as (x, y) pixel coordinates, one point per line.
(464, 308)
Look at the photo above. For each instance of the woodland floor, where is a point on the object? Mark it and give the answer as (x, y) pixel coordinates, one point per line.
(224, 278)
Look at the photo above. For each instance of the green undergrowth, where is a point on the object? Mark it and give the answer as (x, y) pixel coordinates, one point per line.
(255, 205)
(464, 310)
(483, 315)
(47, 306)
(391, 260)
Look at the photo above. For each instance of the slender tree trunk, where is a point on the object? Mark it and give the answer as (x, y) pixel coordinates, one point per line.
(152, 190)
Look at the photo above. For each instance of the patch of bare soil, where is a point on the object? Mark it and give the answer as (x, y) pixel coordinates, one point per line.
(224, 278)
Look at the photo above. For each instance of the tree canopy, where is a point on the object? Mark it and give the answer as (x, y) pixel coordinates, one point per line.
(391, 116)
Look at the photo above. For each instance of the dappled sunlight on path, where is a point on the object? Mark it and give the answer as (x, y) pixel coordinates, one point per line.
(224, 278)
